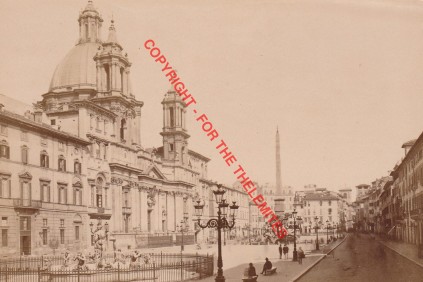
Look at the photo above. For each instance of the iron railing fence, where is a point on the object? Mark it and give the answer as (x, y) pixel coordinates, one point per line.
(33, 262)
(165, 268)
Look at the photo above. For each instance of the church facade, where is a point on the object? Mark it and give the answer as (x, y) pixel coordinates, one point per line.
(76, 159)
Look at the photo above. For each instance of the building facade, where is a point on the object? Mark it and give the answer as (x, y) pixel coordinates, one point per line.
(76, 159)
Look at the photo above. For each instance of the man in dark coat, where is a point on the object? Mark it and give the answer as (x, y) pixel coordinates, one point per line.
(285, 251)
(280, 251)
(267, 266)
(251, 270)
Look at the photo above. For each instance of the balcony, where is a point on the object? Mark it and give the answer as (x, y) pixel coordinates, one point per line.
(26, 204)
(99, 212)
(126, 210)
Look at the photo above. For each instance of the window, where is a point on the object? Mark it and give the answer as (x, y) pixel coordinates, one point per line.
(77, 196)
(107, 70)
(24, 154)
(62, 193)
(77, 167)
(25, 192)
(61, 146)
(170, 147)
(53, 122)
(330, 203)
(122, 129)
(44, 191)
(5, 186)
(4, 221)
(4, 150)
(329, 211)
(44, 236)
(62, 236)
(4, 237)
(62, 163)
(99, 192)
(44, 159)
(172, 117)
(45, 222)
(76, 232)
(25, 223)
(3, 129)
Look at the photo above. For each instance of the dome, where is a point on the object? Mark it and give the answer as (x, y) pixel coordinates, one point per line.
(77, 69)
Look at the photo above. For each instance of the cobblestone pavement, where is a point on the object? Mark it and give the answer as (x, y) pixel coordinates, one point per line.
(362, 258)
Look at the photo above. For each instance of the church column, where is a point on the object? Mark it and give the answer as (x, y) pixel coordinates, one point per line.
(98, 77)
(138, 124)
(184, 118)
(119, 78)
(139, 207)
(129, 132)
(116, 76)
(144, 210)
(124, 81)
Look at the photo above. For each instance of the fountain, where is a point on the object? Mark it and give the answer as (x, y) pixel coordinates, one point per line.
(91, 264)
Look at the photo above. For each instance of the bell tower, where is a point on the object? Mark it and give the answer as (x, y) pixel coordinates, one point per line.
(175, 136)
(113, 67)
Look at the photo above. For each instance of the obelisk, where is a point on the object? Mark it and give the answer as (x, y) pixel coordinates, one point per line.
(278, 165)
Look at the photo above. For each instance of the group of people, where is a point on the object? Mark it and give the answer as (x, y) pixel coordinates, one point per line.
(268, 264)
(283, 250)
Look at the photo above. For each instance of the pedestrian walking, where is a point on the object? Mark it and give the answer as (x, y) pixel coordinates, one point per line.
(300, 255)
(280, 251)
(285, 251)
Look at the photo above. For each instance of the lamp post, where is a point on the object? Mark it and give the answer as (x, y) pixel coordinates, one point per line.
(327, 231)
(317, 232)
(285, 222)
(294, 253)
(220, 222)
(182, 228)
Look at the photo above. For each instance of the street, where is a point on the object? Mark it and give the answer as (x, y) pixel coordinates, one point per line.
(361, 258)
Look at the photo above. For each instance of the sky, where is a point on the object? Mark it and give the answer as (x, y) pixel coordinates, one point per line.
(340, 79)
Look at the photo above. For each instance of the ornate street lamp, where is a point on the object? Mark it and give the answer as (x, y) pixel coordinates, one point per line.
(220, 223)
(285, 222)
(294, 216)
(327, 231)
(316, 227)
(182, 228)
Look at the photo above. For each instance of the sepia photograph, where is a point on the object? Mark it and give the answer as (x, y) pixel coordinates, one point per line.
(237, 140)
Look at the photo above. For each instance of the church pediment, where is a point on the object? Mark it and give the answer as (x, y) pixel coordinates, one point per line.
(154, 172)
